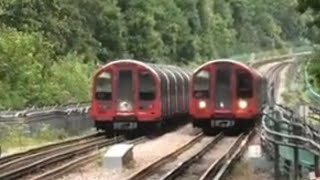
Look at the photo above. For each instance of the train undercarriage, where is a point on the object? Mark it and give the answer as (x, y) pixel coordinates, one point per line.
(213, 126)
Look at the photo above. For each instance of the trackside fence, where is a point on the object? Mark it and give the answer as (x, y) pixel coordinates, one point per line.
(291, 142)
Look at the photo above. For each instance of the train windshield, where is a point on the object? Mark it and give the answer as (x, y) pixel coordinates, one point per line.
(103, 86)
(201, 84)
(147, 86)
(244, 84)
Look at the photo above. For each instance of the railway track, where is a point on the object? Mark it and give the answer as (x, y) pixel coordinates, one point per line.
(41, 163)
(274, 77)
(76, 163)
(15, 156)
(201, 158)
(22, 164)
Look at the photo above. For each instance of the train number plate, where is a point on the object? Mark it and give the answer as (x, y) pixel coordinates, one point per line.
(224, 123)
(125, 125)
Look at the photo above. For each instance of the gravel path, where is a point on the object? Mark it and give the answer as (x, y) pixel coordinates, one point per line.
(143, 153)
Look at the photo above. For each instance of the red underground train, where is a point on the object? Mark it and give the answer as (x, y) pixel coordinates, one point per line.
(226, 94)
(132, 95)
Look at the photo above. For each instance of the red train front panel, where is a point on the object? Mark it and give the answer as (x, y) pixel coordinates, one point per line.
(125, 94)
(223, 94)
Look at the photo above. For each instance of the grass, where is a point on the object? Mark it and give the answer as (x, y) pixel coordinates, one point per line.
(18, 136)
(293, 98)
(243, 171)
(314, 119)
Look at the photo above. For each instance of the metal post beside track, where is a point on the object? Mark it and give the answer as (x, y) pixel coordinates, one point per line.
(276, 161)
(296, 163)
(276, 149)
(316, 166)
(296, 169)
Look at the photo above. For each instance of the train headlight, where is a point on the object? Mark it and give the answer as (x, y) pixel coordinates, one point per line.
(202, 104)
(243, 104)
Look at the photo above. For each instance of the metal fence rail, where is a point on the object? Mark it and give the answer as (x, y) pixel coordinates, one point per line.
(73, 120)
(282, 128)
(9, 116)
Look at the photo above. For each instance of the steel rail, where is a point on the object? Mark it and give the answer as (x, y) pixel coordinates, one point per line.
(44, 162)
(219, 168)
(78, 162)
(145, 171)
(15, 156)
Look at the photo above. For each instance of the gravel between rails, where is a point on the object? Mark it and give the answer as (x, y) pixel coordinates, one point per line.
(198, 168)
(183, 157)
(263, 69)
(143, 153)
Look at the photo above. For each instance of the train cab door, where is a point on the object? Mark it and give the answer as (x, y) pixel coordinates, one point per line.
(223, 94)
(125, 96)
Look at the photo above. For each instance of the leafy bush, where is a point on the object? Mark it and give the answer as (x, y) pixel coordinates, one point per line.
(30, 73)
(313, 70)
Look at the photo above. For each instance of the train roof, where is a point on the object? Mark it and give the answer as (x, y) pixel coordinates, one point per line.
(144, 64)
(150, 66)
(238, 63)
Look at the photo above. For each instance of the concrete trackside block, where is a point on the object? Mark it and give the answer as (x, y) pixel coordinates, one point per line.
(256, 159)
(118, 156)
(254, 151)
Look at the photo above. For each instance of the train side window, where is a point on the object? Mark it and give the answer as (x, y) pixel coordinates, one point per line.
(201, 84)
(104, 86)
(147, 87)
(244, 84)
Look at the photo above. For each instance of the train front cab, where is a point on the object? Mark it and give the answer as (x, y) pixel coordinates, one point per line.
(126, 97)
(224, 95)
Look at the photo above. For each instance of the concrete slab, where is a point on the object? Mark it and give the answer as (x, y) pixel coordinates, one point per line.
(118, 156)
(254, 156)
(254, 151)
(312, 176)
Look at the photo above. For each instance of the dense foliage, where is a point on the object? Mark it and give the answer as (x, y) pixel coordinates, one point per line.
(311, 9)
(49, 48)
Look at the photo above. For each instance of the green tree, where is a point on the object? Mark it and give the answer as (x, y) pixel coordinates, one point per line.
(24, 58)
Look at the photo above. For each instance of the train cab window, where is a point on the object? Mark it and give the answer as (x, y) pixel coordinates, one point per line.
(147, 86)
(103, 86)
(201, 84)
(244, 84)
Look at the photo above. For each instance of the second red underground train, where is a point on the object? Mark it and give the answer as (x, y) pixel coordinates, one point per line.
(225, 94)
